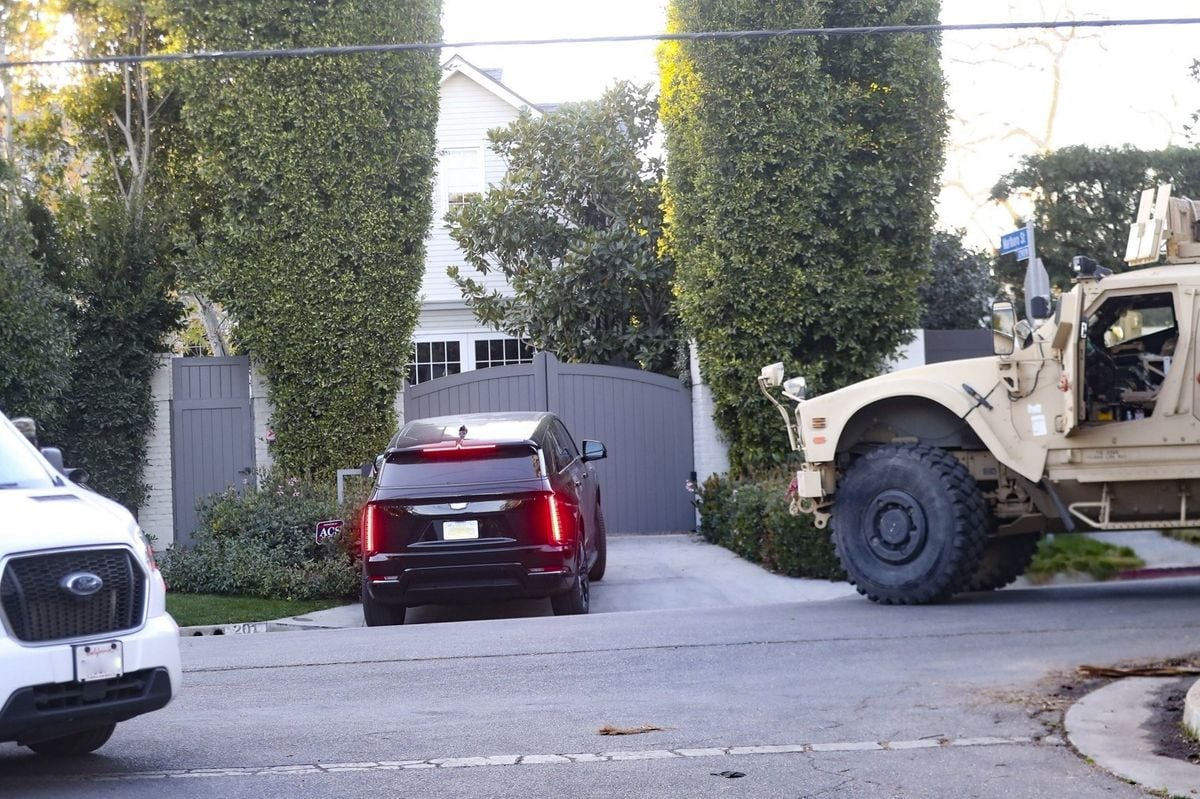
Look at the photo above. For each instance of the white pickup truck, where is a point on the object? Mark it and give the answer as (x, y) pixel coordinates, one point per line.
(85, 637)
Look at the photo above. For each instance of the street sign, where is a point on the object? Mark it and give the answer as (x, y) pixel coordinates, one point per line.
(1018, 242)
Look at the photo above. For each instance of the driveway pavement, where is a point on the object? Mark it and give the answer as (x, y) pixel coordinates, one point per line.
(645, 572)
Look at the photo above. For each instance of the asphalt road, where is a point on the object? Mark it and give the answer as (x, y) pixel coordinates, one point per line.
(837, 698)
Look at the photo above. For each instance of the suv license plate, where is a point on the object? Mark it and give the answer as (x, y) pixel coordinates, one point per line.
(459, 531)
(100, 661)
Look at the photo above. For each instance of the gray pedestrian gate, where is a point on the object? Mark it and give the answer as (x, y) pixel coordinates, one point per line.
(212, 432)
(644, 419)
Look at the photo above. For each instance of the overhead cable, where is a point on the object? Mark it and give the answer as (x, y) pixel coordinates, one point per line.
(699, 36)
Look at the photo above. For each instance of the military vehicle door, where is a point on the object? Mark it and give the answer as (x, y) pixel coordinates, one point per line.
(1129, 380)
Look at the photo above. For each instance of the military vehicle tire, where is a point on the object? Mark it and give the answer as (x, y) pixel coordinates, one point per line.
(909, 524)
(1004, 560)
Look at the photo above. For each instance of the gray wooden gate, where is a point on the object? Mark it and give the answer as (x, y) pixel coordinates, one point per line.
(212, 433)
(644, 419)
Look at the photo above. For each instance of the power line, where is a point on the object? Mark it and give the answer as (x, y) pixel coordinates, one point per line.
(701, 36)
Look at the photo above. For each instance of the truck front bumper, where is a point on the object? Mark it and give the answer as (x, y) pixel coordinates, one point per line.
(815, 480)
(40, 698)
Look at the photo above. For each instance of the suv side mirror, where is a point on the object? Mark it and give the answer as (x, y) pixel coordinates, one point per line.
(1004, 328)
(54, 456)
(593, 451)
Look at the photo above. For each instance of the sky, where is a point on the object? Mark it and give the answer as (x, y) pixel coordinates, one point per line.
(1010, 93)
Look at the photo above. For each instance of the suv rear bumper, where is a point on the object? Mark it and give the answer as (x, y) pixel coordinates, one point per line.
(444, 575)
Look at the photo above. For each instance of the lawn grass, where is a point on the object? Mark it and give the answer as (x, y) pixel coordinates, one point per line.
(193, 609)
(1078, 554)
(1190, 535)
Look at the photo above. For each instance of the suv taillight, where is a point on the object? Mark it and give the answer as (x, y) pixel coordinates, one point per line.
(557, 522)
(372, 529)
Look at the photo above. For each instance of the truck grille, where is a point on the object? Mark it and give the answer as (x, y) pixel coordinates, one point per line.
(38, 608)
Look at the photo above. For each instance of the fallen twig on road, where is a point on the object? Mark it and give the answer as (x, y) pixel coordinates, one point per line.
(1139, 671)
(609, 729)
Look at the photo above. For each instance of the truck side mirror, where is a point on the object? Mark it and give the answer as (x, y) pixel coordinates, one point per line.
(1004, 327)
(771, 375)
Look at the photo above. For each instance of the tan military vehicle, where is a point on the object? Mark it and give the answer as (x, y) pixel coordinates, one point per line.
(943, 478)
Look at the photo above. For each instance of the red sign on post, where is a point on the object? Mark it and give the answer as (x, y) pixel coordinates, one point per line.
(329, 529)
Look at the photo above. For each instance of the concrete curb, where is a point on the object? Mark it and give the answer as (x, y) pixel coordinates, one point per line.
(1191, 709)
(241, 628)
(1106, 726)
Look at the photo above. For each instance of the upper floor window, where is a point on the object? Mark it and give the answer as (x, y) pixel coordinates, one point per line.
(461, 171)
(432, 359)
(501, 352)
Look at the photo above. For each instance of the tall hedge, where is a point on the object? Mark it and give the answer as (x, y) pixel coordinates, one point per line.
(35, 338)
(319, 173)
(802, 174)
(122, 282)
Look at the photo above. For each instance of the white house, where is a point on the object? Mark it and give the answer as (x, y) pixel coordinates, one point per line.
(448, 339)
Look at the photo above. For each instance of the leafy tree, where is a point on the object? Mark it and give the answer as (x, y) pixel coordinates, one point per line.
(1084, 200)
(100, 220)
(35, 340)
(576, 227)
(122, 285)
(959, 285)
(801, 180)
(320, 172)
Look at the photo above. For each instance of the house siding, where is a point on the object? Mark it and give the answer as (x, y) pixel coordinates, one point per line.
(467, 112)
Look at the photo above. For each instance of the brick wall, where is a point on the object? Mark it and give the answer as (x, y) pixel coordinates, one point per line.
(710, 453)
(157, 514)
(261, 410)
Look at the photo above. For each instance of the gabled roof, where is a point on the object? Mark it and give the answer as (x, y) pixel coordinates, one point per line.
(457, 65)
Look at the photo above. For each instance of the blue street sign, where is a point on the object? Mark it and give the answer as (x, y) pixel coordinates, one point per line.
(1018, 242)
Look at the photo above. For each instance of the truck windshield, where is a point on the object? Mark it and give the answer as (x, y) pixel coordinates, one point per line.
(20, 466)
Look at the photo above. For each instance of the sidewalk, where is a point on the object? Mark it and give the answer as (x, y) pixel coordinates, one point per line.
(1153, 547)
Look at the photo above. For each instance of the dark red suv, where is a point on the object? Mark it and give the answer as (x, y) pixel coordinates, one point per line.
(482, 506)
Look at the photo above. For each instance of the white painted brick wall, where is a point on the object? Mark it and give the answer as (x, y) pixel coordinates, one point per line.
(157, 514)
(260, 410)
(709, 450)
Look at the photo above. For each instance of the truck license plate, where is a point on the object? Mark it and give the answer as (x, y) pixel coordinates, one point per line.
(459, 531)
(100, 661)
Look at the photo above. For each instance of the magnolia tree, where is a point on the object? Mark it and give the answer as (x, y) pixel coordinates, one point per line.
(576, 228)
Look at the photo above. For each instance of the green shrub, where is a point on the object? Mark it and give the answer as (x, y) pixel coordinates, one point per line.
(750, 517)
(1079, 554)
(263, 544)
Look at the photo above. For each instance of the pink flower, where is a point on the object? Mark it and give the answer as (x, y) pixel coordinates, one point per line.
(270, 437)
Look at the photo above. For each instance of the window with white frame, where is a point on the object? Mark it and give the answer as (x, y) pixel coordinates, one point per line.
(501, 352)
(433, 359)
(461, 171)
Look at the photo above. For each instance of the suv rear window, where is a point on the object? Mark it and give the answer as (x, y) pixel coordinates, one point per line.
(416, 469)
